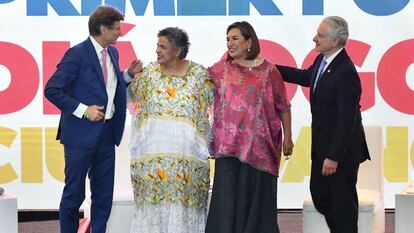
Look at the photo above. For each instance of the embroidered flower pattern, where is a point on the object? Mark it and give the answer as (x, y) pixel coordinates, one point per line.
(170, 179)
(189, 96)
(176, 108)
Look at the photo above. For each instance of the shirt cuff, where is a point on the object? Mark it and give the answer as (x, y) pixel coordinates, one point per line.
(80, 110)
(127, 77)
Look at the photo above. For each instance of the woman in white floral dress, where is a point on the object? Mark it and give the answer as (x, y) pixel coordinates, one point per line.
(169, 145)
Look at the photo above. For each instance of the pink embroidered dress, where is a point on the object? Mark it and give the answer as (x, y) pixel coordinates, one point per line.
(247, 111)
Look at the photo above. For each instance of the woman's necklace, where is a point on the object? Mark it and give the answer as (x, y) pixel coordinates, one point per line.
(255, 61)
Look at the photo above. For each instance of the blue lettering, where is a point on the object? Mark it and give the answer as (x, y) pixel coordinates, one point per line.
(312, 7)
(201, 7)
(89, 6)
(381, 7)
(62, 7)
(161, 7)
(5, 1)
(242, 7)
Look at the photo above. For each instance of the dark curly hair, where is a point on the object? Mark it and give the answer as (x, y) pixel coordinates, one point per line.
(178, 39)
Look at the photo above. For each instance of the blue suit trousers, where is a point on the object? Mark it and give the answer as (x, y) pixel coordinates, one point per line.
(99, 164)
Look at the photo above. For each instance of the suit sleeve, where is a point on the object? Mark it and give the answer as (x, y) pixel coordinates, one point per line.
(348, 95)
(61, 81)
(126, 77)
(281, 100)
(297, 76)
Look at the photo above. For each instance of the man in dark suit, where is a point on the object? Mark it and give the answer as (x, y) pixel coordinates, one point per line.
(90, 90)
(338, 138)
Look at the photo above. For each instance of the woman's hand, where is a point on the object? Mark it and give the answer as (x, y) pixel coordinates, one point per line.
(287, 147)
(135, 67)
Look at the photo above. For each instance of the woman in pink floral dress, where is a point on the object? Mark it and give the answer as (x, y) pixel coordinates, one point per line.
(251, 110)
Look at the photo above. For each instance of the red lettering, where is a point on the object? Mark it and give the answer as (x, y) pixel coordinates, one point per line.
(392, 83)
(391, 78)
(24, 78)
(277, 54)
(125, 49)
(306, 63)
(126, 54)
(53, 52)
(358, 51)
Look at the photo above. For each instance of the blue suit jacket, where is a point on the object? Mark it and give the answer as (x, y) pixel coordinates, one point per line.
(79, 79)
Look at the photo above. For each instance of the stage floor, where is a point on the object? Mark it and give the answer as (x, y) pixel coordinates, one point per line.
(290, 221)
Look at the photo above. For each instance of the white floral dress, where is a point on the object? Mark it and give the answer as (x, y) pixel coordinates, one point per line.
(169, 149)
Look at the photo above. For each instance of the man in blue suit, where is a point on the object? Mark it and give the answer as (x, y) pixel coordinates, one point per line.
(90, 90)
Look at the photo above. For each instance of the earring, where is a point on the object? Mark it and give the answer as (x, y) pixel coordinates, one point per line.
(248, 50)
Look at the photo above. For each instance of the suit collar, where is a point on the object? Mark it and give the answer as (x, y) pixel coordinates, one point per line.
(337, 59)
(330, 68)
(93, 56)
(332, 57)
(112, 54)
(98, 48)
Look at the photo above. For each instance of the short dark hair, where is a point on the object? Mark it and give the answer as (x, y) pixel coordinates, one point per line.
(103, 15)
(178, 39)
(247, 32)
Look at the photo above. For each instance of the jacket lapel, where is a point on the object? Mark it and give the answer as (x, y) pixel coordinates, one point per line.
(315, 70)
(317, 63)
(329, 70)
(95, 60)
(114, 62)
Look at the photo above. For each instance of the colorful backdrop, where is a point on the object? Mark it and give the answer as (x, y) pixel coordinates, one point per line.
(35, 34)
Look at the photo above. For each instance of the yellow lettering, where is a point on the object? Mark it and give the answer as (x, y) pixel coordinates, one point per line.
(298, 165)
(55, 161)
(32, 151)
(212, 163)
(7, 173)
(412, 156)
(396, 154)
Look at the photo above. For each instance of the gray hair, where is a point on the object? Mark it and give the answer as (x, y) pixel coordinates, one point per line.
(178, 39)
(339, 29)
